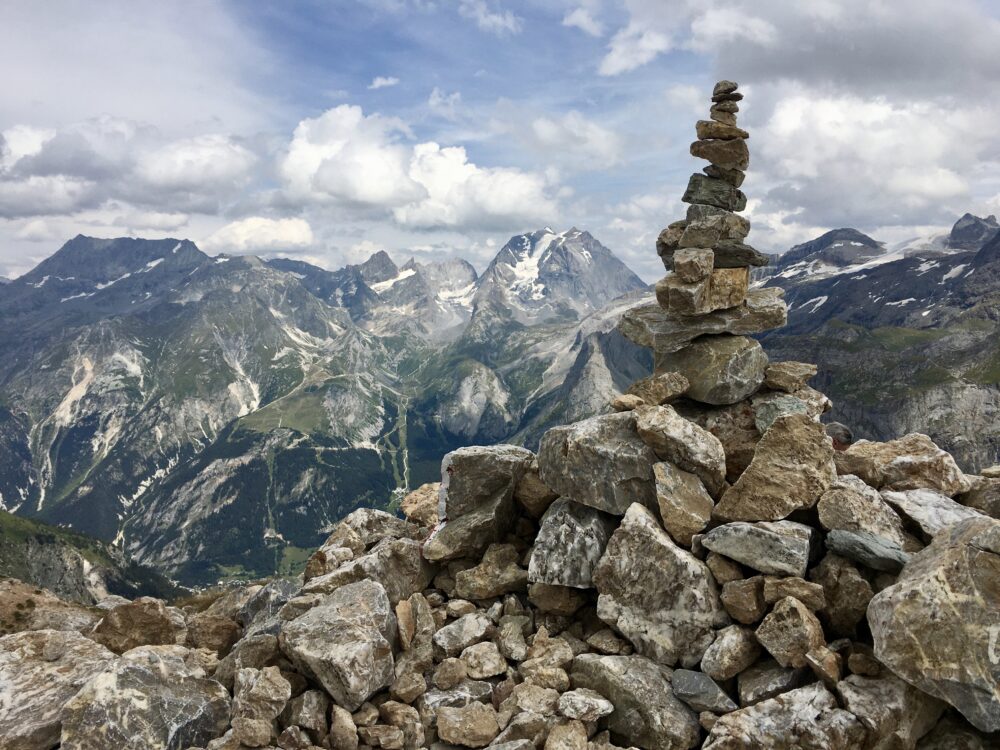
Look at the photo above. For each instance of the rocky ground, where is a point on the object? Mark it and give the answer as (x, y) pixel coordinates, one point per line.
(701, 568)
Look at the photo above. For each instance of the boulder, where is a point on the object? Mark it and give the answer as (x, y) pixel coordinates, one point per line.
(733, 650)
(570, 542)
(777, 548)
(952, 733)
(851, 505)
(345, 642)
(722, 288)
(212, 632)
(474, 725)
(685, 505)
(660, 388)
(744, 599)
(706, 226)
(793, 466)
(788, 376)
(790, 632)
(930, 510)
(912, 462)
(24, 607)
(477, 488)
(143, 622)
(556, 600)
(584, 705)
(766, 679)
(701, 692)
(691, 262)
(683, 443)
(421, 505)
(260, 693)
(936, 627)
(646, 712)
(733, 425)
(807, 717)
(467, 630)
(656, 594)
(153, 698)
(532, 493)
(397, 564)
(499, 573)
(626, 402)
(713, 192)
(39, 671)
(727, 154)
(733, 176)
(371, 526)
(896, 714)
(984, 495)
(600, 462)
(483, 660)
(722, 369)
(846, 594)
(767, 409)
(709, 129)
(871, 550)
(653, 327)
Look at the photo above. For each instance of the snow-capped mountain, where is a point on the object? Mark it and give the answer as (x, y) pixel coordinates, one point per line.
(906, 337)
(209, 415)
(546, 276)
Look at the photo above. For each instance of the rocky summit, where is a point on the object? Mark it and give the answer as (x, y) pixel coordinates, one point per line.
(704, 567)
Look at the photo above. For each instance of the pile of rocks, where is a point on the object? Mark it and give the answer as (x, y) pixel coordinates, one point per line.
(699, 568)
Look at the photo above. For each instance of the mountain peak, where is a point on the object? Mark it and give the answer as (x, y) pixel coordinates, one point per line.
(971, 232)
(378, 268)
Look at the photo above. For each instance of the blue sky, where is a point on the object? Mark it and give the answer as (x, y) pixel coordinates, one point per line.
(327, 130)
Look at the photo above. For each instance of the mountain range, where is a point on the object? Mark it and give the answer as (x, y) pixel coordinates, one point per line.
(211, 416)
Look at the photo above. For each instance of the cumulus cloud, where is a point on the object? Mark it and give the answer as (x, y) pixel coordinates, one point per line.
(582, 19)
(631, 48)
(383, 82)
(205, 161)
(366, 162)
(574, 137)
(257, 234)
(491, 18)
(461, 194)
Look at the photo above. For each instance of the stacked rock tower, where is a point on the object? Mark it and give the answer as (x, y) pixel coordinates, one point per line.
(706, 305)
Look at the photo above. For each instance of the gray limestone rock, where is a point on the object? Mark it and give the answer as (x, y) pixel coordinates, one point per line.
(807, 717)
(397, 564)
(872, 551)
(701, 692)
(685, 505)
(683, 443)
(600, 462)
(345, 643)
(656, 594)
(570, 542)
(722, 369)
(930, 510)
(766, 679)
(895, 713)
(39, 671)
(713, 192)
(936, 627)
(777, 548)
(467, 630)
(651, 326)
(791, 468)
(150, 699)
(735, 648)
(646, 712)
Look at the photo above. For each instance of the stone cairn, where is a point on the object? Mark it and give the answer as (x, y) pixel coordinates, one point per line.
(699, 568)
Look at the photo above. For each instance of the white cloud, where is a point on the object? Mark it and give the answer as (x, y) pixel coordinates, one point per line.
(383, 82)
(257, 234)
(632, 47)
(362, 164)
(444, 105)
(722, 26)
(196, 163)
(578, 139)
(36, 230)
(38, 195)
(582, 19)
(20, 141)
(344, 155)
(498, 21)
(461, 194)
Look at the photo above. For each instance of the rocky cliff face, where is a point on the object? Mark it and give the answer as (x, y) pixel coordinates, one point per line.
(176, 404)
